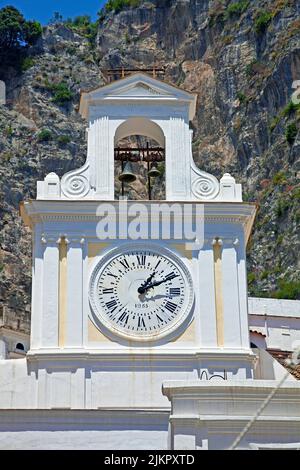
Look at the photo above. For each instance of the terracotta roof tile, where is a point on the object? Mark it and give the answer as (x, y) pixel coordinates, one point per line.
(281, 357)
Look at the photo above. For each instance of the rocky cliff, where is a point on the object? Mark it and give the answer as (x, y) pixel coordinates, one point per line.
(240, 57)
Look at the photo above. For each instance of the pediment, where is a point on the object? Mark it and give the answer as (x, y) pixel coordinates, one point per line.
(140, 89)
(137, 87)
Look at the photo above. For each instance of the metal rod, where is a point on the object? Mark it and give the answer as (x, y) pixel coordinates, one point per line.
(123, 186)
(148, 169)
(136, 154)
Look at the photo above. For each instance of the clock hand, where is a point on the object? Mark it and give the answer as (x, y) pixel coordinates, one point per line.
(141, 289)
(157, 283)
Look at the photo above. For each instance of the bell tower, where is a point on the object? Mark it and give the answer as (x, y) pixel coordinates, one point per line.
(126, 294)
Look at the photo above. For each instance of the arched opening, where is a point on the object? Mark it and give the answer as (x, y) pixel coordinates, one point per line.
(139, 160)
(20, 346)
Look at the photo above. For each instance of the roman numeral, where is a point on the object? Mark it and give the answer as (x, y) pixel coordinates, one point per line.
(171, 306)
(123, 317)
(171, 276)
(124, 263)
(157, 265)
(110, 305)
(108, 291)
(141, 323)
(113, 275)
(159, 318)
(174, 291)
(141, 260)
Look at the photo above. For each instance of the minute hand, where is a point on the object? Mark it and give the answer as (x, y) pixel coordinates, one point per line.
(157, 283)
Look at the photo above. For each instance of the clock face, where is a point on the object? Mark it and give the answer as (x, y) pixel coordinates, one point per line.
(141, 293)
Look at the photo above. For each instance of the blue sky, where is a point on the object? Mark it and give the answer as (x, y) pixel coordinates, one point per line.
(42, 10)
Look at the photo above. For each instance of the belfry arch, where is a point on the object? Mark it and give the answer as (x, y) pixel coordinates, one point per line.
(139, 154)
(140, 126)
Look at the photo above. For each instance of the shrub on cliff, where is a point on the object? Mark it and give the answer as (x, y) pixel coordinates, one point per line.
(44, 135)
(291, 133)
(83, 25)
(237, 8)
(118, 5)
(62, 93)
(262, 21)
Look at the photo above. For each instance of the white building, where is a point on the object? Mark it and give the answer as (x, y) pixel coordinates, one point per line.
(142, 343)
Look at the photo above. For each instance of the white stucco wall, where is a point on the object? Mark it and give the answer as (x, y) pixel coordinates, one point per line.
(277, 319)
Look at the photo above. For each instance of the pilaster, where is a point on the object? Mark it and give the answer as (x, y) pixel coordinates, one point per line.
(74, 288)
(50, 306)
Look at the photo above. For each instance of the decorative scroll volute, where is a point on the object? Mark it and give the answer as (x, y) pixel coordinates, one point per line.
(75, 184)
(204, 185)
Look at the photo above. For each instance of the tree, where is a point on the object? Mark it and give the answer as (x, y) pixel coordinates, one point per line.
(15, 32)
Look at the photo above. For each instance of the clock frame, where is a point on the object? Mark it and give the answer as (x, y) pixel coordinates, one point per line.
(155, 316)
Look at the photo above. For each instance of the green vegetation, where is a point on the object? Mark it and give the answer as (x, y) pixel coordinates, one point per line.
(250, 68)
(265, 274)
(279, 178)
(9, 131)
(219, 13)
(287, 290)
(282, 207)
(237, 8)
(16, 34)
(84, 26)
(242, 97)
(27, 63)
(290, 108)
(287, 111)
(274, 123)
(118, 5)
(63, 139)
(256, 67)
(62, 93)
(251, 277)
(262, 21)
(291, 132)
(44, 135)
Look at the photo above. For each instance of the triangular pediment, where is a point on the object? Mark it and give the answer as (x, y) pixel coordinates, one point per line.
(138, 86)
(140, 89)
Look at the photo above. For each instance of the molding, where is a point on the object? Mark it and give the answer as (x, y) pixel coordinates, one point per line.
(125, 355)
(231, 390)
(218, 288)
(34, 212)
(61, 416)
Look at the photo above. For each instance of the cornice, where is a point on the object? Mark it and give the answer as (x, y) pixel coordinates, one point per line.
(243, 390)
(140, 354)
(69, 211)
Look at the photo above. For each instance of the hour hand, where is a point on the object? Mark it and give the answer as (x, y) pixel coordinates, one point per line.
(142, 288)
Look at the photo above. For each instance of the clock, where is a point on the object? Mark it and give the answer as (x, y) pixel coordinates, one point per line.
(141, 292)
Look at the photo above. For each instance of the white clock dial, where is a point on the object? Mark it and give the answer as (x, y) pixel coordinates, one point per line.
(141, 293)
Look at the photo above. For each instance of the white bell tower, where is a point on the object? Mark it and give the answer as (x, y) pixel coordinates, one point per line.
(82, 357)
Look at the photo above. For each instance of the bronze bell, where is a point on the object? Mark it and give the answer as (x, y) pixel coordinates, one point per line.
(154, 172)
(127, 175)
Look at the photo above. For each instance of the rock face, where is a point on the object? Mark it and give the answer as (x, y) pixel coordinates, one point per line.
(241, 63)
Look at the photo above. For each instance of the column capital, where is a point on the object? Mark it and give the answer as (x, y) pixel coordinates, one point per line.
(217, 241)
